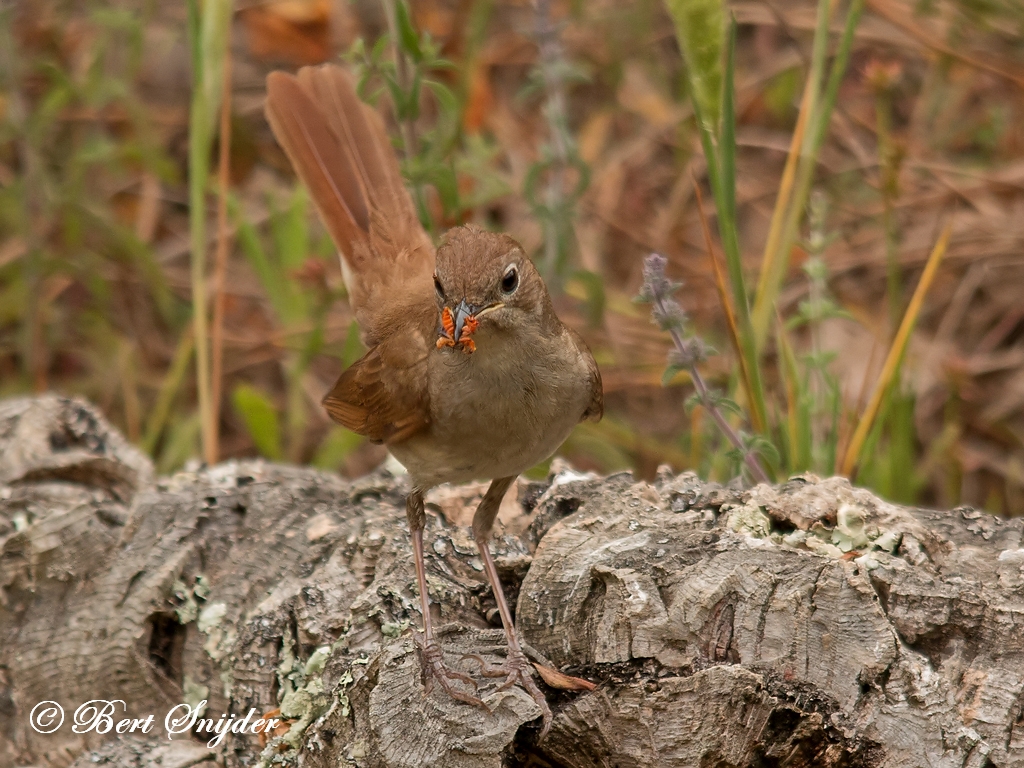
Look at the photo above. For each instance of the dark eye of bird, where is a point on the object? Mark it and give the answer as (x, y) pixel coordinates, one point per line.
(438, 288)
(510, 280)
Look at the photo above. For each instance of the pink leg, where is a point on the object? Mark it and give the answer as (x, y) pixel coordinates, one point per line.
(517, 668)
(434, 667)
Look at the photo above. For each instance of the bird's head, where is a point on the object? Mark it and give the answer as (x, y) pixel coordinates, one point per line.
(485, 284)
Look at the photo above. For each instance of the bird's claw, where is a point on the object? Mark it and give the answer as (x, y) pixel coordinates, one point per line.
(434, 668)
(516, 669)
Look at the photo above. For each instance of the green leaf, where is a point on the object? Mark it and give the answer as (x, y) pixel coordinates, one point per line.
(210, 27)
(700, 30)
(764, 447)
(725, 404)
(824, 95)
(260, 418)
(398, 98)
(447, 184)
(192, 25)
(337, 446)
(249, 241)
(407, 36)
(719, 151)
(379, 50)
(670, 373)
(180, 445)
(798, 430)
(692, 402)
(446, 100)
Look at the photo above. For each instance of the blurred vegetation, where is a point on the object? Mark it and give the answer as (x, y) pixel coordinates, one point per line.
(838, 186)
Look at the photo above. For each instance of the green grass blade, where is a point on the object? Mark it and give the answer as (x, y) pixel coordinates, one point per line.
(169, 388)
(276, 285)
(718, 139)
(180, 444)
(797, 412)
(209, 31)
(773, 269)
(891, 368)
(814, 137)
(728, 229)
(260, 418)
(337, 446)
(700, 31)
(727, 141)
(820, 121)
(290, 229)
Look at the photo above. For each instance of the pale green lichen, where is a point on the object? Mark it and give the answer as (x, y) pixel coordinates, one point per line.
(343, 700)
(297, 704)
(868, 562)
(852, 533)
(888, 541)
(317, 661)
(189, 598)
(394, 629)
(220, 639)
(194, 694)
(227, 679)
(795, 539)
(820, 547)
(301, 699)
(202, 587)
(849, 533)
(211, 616)
(188, 608)
(749, 519)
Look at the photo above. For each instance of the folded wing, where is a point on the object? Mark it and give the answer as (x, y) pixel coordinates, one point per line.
(340, 150)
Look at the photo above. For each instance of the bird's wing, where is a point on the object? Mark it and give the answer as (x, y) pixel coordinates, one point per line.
(384, 394)
(340, 150)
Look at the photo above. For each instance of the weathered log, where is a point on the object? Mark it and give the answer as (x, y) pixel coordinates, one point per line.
(809, 624)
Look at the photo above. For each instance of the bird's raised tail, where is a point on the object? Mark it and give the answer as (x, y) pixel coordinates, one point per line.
(340, 150)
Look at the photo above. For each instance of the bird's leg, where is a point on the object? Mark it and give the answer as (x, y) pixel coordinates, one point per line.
(434, 667)
(517, 668)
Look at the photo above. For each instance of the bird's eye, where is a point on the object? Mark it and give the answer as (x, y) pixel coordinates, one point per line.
(510, 280)
(437, 288)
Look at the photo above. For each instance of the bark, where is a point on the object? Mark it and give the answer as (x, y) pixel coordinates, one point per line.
(809, 624)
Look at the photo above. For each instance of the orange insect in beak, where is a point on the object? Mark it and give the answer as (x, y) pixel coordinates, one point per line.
(456, 329)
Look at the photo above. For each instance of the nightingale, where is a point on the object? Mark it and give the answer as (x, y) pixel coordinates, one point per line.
(470, 375)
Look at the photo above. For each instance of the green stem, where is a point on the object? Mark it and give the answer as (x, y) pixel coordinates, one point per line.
(209, 29)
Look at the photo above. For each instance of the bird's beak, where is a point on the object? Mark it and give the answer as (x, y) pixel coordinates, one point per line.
(465, 311)
(462, 313)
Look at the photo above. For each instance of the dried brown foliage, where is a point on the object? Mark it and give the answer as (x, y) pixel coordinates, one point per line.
(107, 324)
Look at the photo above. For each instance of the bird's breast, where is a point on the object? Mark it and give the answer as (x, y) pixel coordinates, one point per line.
(498, 411)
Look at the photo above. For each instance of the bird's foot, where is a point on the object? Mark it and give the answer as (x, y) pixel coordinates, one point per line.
(517, 669)
(434, 668)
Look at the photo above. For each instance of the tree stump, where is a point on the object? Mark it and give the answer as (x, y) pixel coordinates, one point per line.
(808, 624)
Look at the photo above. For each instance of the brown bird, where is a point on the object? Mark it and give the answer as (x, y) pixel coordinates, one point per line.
(470, 375)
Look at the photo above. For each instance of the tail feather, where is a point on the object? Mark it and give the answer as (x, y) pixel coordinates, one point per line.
(340, 150)
(322, 162)
(361, 130)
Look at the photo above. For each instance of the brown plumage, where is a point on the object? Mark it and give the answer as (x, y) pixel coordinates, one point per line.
(469, 374)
